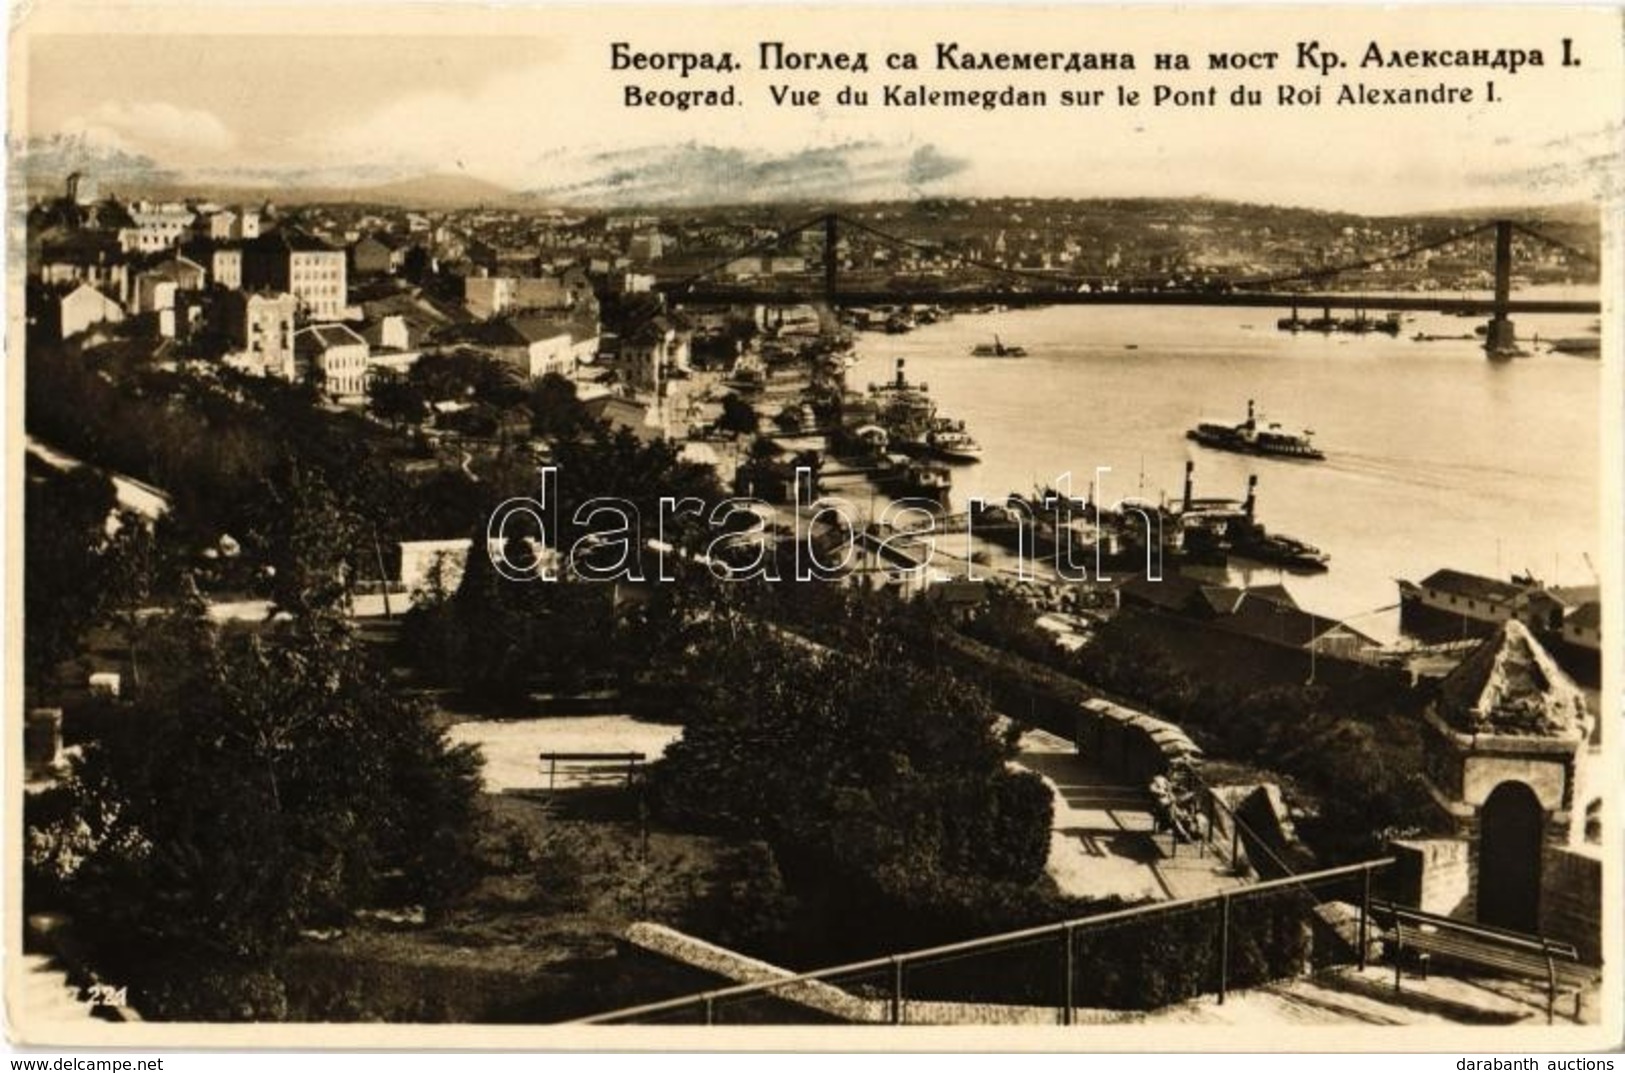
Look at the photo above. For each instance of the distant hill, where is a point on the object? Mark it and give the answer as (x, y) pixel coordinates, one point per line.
(46, 162)
(1577, 213)
(440, 190)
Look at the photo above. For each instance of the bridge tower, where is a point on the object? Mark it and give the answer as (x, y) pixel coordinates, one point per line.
(1500, 340)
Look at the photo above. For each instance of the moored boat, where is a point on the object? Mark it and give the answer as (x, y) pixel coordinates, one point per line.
(951, 440)
(997, 349)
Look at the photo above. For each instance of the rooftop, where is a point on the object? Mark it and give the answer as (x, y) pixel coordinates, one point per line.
(1509, 685)
(326, 336)
(1473, 586)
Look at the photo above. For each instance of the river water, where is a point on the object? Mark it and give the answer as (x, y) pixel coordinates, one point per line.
(1435, 455)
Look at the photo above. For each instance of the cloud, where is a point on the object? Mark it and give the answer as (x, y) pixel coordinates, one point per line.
(697, 173)
(154, 128)
(929, 164)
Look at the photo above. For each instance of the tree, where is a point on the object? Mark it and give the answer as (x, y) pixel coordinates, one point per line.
(257, 783)
(65, 517)
(395, 398)
(555, 412)
(308, 539)
(864, 762)
(737, 416)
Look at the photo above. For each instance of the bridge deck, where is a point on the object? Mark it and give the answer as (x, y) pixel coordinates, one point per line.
(691, 295)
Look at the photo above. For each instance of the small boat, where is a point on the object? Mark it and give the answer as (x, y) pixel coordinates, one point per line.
(950, 440)
(1252, 437)
(997, 349)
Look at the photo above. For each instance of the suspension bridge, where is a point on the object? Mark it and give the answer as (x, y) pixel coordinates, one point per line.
(989, 283)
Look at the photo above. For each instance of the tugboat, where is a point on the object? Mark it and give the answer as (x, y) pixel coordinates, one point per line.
(1250, 437)
(997, 349)
(1250, 540)
(1214, 529)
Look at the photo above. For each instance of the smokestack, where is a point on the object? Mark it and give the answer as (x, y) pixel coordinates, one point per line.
(1190, 468)
(1252, 494)
(1249, 413)
(901, 382)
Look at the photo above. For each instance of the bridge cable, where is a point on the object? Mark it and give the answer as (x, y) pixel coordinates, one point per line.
(1356, 266)
(766, 246)
(973, 262)
(1572, 251)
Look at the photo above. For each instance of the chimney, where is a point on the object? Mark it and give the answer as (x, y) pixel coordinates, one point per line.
(901, 381)
(1249, 413)
(1252, 495)
(1190, 470)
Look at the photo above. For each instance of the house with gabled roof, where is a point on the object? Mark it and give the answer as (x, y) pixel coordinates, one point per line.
(336, 357)
(74, 308)
(377, 254)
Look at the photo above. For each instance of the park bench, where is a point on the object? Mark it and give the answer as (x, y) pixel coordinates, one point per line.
(631, 761)
(1427, 936)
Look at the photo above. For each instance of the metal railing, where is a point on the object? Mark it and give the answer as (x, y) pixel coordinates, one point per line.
(1212, 939)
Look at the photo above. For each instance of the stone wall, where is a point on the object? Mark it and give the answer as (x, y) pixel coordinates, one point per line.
(1436, 876)
(1130, 743)
(1571, 900)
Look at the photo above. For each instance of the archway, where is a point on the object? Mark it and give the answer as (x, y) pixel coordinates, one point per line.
(1509, 858)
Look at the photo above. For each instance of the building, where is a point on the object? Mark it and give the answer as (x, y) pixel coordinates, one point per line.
(156, 227)
(224, 225)
(1276, 618)
(421, 314)
(1546, 609)
(335, 357)
(537, 345)
(216, 226)
(259, 326)
(487, 296)
(86, 257)
(647, 246)
(624, 415)
(1451, 604)
(388, 333)
(157, 286)
(310, 269)
(389, 340)
(652, 351)
(222, 262)
(154, 292)
(568, 292)
(1582, 627)
(72, 311)
(81, 189)
(377, 255)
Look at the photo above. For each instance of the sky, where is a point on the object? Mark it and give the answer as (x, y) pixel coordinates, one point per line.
(524, 96)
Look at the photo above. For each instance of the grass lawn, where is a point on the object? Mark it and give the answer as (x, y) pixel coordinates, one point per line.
(536, 938)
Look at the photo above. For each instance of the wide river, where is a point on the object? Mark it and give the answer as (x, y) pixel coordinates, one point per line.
(1435, 455)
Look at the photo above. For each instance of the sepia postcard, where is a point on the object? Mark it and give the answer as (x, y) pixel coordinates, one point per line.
(1024, 527)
